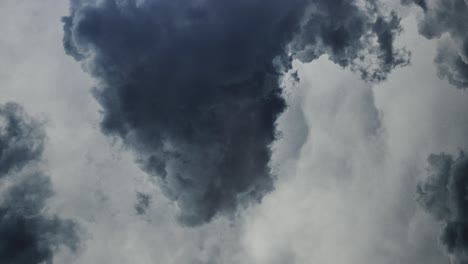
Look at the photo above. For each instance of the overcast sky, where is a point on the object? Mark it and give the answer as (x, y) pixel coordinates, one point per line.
(346, 164)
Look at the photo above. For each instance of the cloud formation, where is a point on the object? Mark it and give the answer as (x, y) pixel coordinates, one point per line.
(21, 139)
(28, 235)
(359, 36)
(142, 203)
(444, 195)
(192, 87)
(447, 19)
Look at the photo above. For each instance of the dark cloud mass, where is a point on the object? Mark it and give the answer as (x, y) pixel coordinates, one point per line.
(360, 37)
(448, 19)
(444, 195)
(192, 86)
(27, 234)
(20, 139)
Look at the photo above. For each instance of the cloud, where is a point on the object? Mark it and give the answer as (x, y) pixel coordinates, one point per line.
(359, 36)
(21, 139)
(420, 3)
(447, 19)
(192, 87)
(443, 194)
(142, 203)
(28, 235)
(450, 64)
(349, 190)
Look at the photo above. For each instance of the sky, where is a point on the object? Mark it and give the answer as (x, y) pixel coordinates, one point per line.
(225, 132)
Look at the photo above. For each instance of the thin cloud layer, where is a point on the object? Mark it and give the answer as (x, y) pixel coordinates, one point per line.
(192, 87)
(444, 195)
(447, 19)
(28, 235)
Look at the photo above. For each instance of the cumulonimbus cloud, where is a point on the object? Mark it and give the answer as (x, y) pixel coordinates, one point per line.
(28, 235)
(192, 86)
(444, 195)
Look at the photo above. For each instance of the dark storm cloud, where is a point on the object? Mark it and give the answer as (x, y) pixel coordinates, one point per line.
(27, 234)
(142, 203)
(444, 195)
(192, 85)
(21, 139)
(448, 19)
(356, 36)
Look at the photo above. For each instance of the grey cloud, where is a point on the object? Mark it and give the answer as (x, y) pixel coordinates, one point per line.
(21, 139)
(348, 158)
(420, 3)
(443, 195)
(27, 234)
(450, 65)
(448, 19)
(360, 37)
(192, 87)
(142, 203)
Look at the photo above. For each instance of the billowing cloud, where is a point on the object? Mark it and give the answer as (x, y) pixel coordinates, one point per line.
(451, 65)
(192, 87)
(21, 140)
(27, 234)
(444, 195)
(447, 19)
(360, 36)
